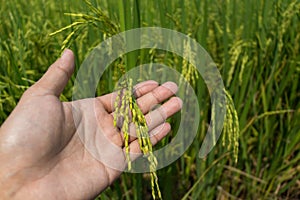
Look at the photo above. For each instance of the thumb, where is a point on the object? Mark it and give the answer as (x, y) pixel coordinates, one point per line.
(56, 78)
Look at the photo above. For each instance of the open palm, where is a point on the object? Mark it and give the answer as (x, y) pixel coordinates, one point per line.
(54, 150)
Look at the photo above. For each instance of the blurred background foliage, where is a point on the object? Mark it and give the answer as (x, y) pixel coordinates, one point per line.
(255, 45)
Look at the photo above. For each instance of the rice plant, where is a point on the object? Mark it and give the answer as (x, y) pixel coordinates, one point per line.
(255, 45)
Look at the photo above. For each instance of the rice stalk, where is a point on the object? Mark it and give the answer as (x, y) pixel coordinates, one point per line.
(83, 21)
(287, 16)
(122, 113)
(236, 51)
(231, 129)
(189, 72)
(127, 111)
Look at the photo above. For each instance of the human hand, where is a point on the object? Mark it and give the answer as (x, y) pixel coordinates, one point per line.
(42, 155)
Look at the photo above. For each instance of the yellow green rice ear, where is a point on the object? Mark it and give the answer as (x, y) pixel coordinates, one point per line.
(126, 106)
(189, 72)
(231, 129)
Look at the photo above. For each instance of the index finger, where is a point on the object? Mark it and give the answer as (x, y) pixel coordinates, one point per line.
(139, 90)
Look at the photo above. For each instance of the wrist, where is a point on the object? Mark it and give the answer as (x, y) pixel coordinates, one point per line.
(10, 184)
(10, 172)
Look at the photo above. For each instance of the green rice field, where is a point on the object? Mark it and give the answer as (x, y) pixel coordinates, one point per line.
(256, 47)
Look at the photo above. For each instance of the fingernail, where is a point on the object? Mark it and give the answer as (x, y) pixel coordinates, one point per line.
(64, 53)
(67, 60)
(179, 102)
(135, 95)
(171, 86)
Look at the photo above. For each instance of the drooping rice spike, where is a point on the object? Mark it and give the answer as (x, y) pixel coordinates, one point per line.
(231, 128)
(126, 108)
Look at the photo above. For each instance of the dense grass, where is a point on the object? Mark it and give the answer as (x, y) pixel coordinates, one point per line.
(256, 46)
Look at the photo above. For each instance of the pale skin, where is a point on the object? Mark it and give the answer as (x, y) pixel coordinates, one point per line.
(41, 153)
